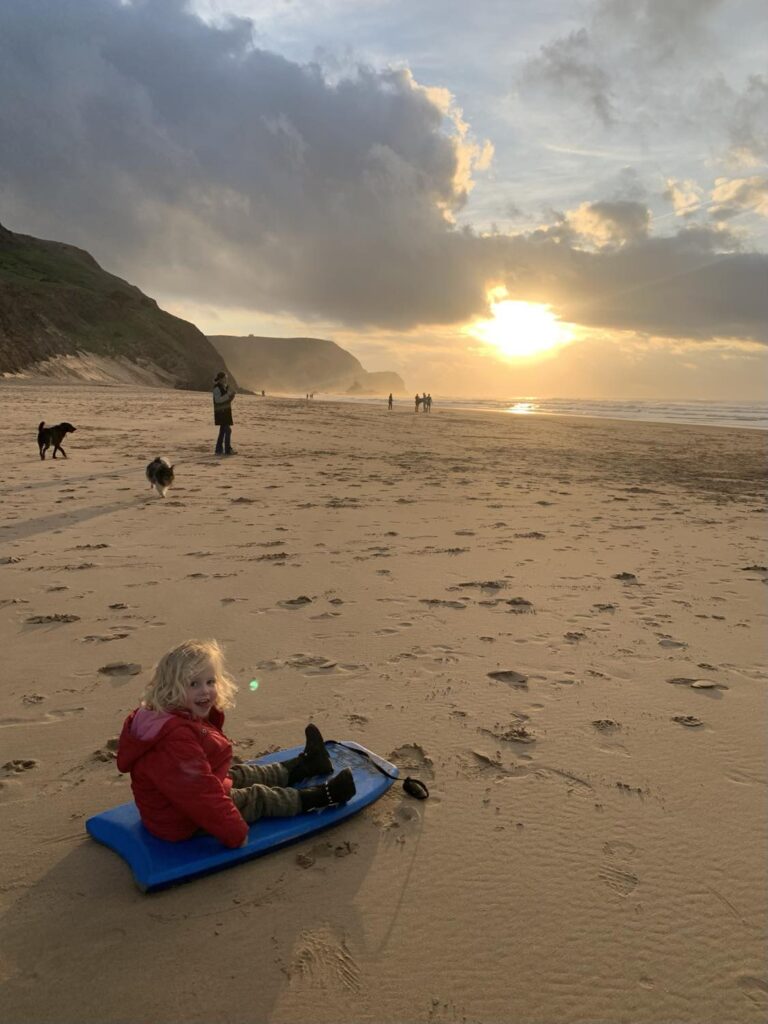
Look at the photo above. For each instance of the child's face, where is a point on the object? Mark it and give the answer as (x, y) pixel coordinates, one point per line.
(200, 695)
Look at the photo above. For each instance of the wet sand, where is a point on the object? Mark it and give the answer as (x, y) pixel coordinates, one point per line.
(558, 624)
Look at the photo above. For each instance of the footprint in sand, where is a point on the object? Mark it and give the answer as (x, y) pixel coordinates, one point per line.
(668, 641)
(411, 756)
(108, 752)
(120, 668)
(606, 725)
(325, 851)
(512, 734)
(690, 720)
(617, 876)
(479, 763)
(708, 685)
(58, 617)
(483, 585)
(321, 958)
(51, 716)
(508, 675)
(18, 765)
(626, 577)
(296, 602)
(618, 880)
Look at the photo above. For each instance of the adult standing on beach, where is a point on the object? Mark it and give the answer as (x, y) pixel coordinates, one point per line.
(418, 402)
(223, 397)
(390, 402)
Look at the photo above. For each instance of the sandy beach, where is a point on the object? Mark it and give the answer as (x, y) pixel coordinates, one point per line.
(558, 624)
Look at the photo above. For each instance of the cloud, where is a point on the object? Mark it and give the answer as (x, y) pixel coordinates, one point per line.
(610, 223)
(748, 128)
(693, 285)
(569, 67)
(208, 170)
(732, 196)
(645, 69)
(178, 147)
(686, 196)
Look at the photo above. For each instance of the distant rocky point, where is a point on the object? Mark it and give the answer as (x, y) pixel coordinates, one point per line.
(62, 316)
(300, 364)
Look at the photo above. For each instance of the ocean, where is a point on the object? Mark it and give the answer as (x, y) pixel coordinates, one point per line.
(748, 415)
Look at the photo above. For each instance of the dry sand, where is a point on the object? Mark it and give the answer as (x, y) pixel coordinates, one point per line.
(612, 869)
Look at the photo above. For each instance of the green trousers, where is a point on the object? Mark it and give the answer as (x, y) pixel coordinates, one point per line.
(260, 791)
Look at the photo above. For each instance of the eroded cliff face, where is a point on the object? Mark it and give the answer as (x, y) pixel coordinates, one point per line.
(300, 364)
(60, 312)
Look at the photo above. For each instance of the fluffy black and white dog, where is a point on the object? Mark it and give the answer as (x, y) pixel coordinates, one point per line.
(160, 475)
(47, 436)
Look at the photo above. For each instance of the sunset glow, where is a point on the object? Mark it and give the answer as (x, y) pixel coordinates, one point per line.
(521, 330)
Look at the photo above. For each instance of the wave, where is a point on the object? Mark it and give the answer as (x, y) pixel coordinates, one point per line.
(747, 414)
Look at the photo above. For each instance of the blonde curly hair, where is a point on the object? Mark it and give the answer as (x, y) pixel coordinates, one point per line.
(171, 676)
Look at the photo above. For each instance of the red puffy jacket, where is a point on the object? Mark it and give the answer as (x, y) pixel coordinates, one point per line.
(178, 767)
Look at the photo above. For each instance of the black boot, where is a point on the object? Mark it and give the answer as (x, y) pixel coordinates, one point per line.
(337, 790)
(313, 760)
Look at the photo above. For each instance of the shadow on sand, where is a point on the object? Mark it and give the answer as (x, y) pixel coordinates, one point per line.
(83, 944)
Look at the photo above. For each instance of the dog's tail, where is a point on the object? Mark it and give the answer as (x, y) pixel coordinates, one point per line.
(42, 424)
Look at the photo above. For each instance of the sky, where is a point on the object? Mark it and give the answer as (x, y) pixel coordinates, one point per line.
(496, 198)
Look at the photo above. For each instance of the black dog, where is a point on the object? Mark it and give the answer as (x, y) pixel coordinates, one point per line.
(160, 475)
(47, 436)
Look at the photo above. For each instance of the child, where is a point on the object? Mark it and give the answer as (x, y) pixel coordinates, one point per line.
(180, 761)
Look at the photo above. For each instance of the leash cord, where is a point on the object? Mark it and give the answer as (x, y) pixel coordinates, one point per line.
(413, 787)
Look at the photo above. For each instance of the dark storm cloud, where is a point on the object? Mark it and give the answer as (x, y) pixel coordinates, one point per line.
(693, 285)
(166, 144)
(201, 167)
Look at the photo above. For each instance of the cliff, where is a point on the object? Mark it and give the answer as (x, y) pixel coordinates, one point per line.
(300, 365)
(60, 313)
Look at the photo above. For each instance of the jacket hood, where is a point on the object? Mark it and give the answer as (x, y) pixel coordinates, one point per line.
(144, 728)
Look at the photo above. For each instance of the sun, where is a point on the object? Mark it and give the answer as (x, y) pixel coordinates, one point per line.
(521, 330)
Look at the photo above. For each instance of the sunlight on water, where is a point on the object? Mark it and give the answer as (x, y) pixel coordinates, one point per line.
(521, 408)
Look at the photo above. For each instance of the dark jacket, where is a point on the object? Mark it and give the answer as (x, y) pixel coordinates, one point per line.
(178, 767)
(222, 405)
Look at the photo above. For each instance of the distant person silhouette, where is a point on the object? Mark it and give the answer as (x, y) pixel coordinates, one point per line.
(390, 402)
(424, 401)
(418, 402)
(223, 396)
(428, 403)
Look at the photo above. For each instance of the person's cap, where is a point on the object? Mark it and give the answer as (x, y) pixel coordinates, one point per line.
(220, 375)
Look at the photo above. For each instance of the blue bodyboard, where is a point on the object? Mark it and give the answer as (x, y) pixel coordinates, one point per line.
(156, 863)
